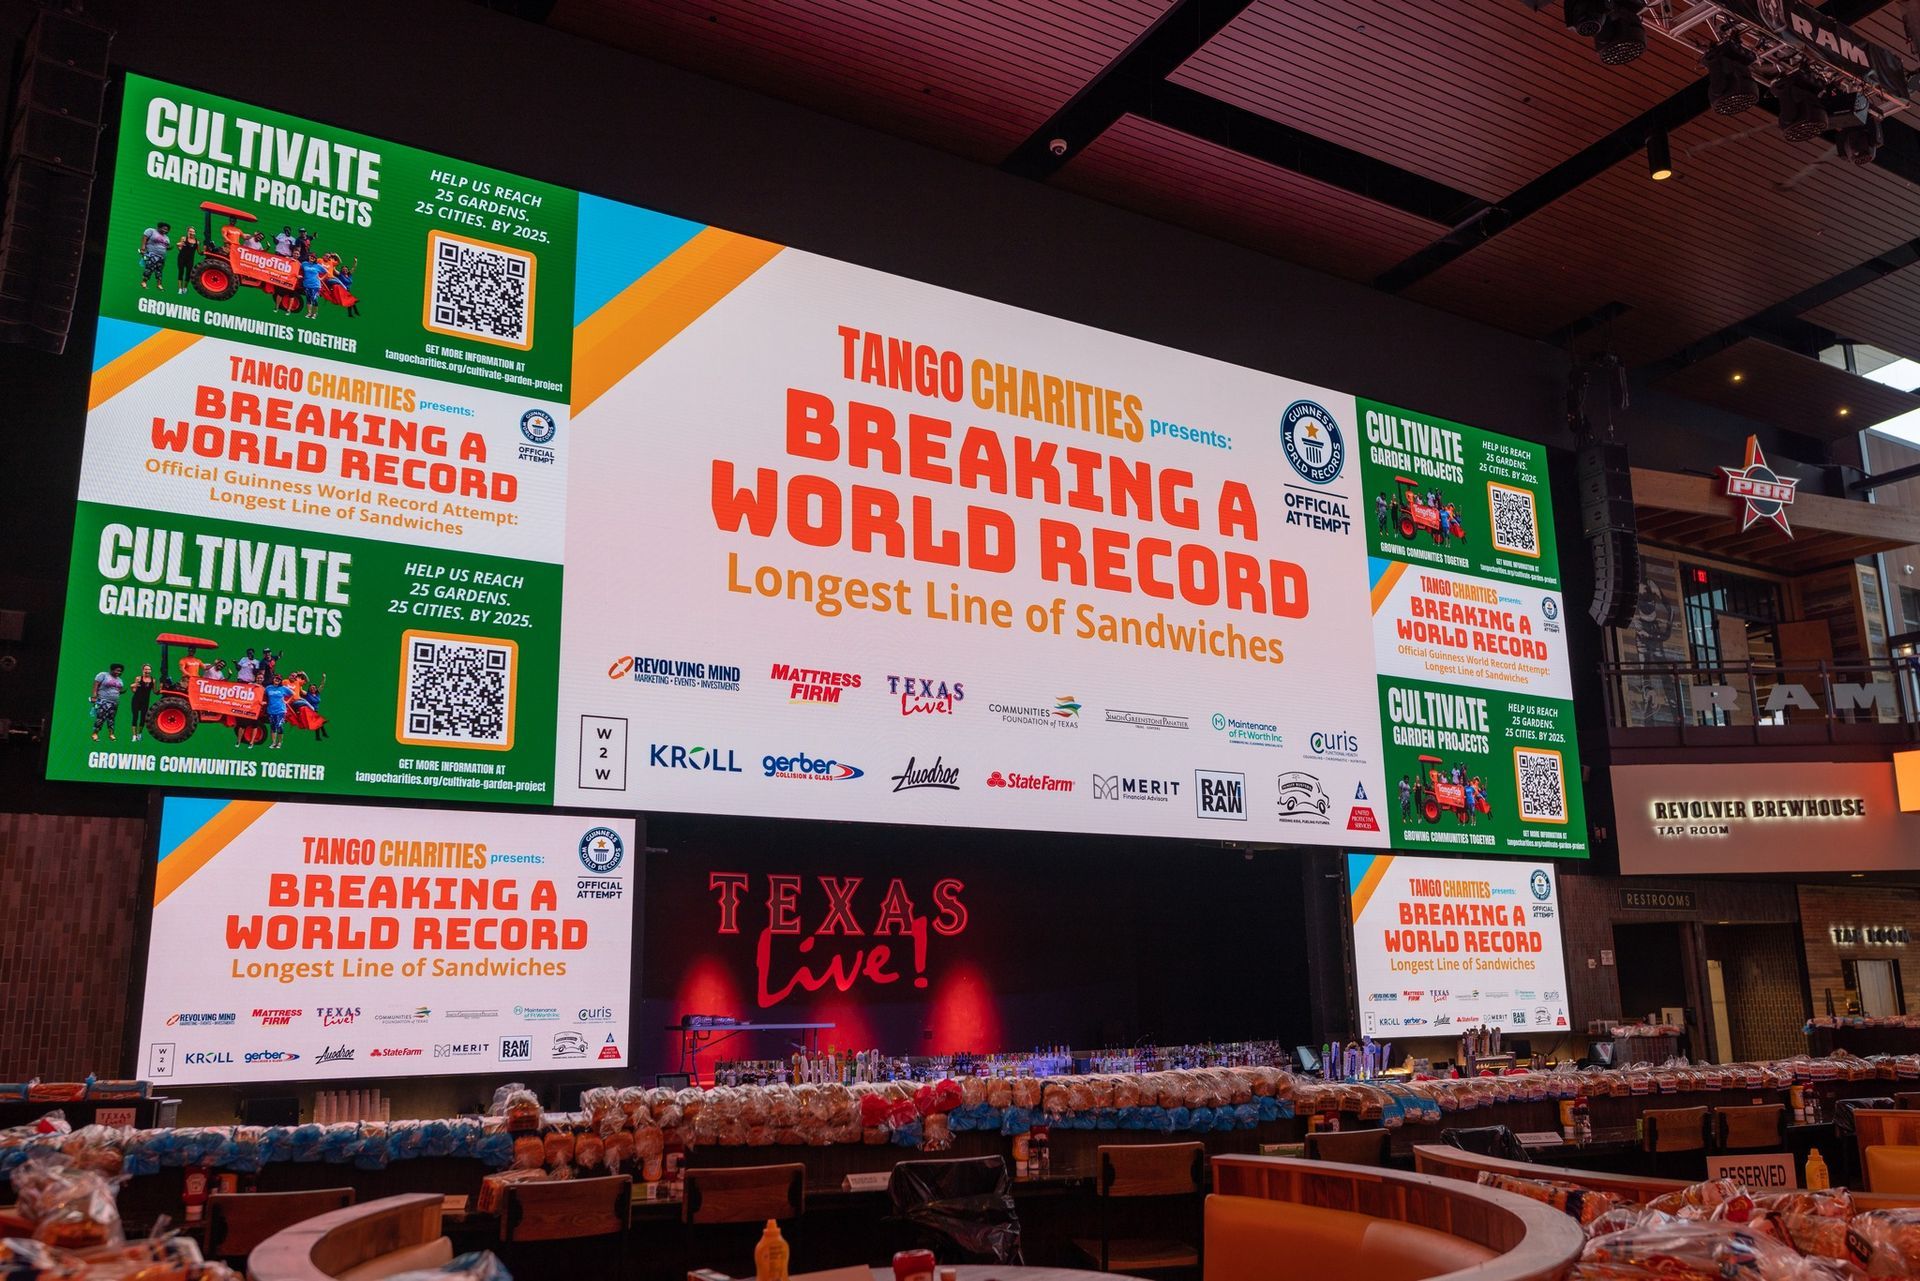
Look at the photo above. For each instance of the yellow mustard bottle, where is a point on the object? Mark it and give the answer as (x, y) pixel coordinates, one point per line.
(1817, 1175)
(770, 1256)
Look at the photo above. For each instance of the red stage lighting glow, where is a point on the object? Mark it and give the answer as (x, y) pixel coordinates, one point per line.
(964, 1014)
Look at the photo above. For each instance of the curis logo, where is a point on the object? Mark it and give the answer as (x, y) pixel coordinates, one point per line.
(809, 769)
(920, 696)
(1341, 743)
(812, 684)
(679, 672)
(595, 1014)
(712, 759)
(938, 775)
(1029, 782)
(836, 940)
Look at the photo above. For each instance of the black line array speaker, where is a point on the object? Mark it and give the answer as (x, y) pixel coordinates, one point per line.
(1605, 482)
(52, 148)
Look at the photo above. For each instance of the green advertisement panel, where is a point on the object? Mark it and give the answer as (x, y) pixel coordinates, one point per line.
(242, 223)
(1484, 771)
(1453, 497)
(304, 662)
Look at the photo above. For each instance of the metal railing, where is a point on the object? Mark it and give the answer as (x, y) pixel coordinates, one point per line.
(1775, 701)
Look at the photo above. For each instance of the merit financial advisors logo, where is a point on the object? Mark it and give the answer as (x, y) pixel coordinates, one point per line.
(1120, 787)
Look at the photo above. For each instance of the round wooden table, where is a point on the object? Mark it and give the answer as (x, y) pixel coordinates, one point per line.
(1008, 1272)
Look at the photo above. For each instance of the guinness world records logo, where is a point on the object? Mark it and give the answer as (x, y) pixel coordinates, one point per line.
(1312, 441)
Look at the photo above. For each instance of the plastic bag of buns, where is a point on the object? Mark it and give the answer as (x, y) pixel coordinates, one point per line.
(558, 1144)
(1099, 1092)
(973, 1091)
(1887, 1242)
(999, 1093)
(1126, 1091)
(1026, 1092)
(24, 1259)
(937, 1133)
(1055, 1097)
(521, 1108)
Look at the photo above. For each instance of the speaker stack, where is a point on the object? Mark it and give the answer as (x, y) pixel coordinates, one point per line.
(51, 149)
(1605, 483)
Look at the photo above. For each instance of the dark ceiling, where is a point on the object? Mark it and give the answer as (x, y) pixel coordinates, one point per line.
(1472, 155)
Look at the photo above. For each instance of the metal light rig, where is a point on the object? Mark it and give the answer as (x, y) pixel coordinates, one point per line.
(1828, 80)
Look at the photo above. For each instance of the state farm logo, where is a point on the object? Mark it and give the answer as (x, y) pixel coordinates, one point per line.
(922, 696)
(1063, 712)
(813, 684)
(389, 1052)
(937, 775)
(277, 1018)
(1029, 782)
(336, 1015)
(1122, 787)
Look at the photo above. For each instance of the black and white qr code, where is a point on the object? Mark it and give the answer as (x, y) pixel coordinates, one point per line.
(1543, 786)
(479, 291)
(1516, 525)
(457, 691)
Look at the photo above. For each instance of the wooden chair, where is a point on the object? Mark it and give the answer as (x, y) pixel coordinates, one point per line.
(1750, 1129)
(1668, 1135)
(1909, 1101)
(1349, 1147)
(744, 1194)
(566, 1209)
(239, 1221)
(1878, 1127)
(1141, 1170)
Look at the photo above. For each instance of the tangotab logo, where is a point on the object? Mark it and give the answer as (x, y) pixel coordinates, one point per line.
(938, 774)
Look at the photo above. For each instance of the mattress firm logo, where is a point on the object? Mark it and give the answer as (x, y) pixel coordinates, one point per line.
(813, 684)
(1689, 818)
(683, 673)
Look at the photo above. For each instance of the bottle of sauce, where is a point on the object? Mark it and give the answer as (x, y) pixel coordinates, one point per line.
(770, 1256)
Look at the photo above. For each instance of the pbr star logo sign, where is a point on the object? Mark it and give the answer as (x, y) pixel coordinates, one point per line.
(1766, 493)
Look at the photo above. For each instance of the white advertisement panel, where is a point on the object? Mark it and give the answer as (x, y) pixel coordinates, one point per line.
(296, 942)
(1441, 945)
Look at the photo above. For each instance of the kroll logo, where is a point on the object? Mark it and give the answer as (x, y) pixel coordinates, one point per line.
(714, 760)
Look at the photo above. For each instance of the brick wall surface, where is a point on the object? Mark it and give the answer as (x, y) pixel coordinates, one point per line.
(66, 950)
(1824, 906)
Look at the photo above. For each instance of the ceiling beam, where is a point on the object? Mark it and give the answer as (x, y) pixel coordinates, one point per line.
(1900, 154)
(1123, 85)
(1265, 139)
(1781, 325)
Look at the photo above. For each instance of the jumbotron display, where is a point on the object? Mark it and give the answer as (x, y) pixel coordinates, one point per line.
(413, 478)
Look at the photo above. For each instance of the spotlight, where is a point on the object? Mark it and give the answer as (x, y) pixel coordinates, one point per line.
(1859, 143)
(1659, 156)
(1585, 16)
(1622, 37)
(1801, 115)
(1730, 86)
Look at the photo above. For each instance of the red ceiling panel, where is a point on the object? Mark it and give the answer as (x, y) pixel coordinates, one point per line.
(1484, 95)
(1145, 166)
(1747, 220)
(971, 76)
(1885, 313)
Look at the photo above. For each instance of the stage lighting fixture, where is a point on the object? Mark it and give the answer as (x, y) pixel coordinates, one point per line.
(1859, 143)
(1730, 86)
(1801, 115)
(1585, 16)
(1659, 156)
(1622, 36)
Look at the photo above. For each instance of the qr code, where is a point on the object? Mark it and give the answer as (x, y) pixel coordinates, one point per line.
(457, 691)
(479, 291)
(1543, 786)
(1516, 526)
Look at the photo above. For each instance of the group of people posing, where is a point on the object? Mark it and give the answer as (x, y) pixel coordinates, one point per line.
(321, 274)
(288, 698)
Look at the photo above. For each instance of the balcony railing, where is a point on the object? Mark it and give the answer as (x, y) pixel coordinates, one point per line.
(1763, 702)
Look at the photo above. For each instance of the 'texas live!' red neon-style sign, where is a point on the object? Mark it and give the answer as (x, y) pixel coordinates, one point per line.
(896, 917)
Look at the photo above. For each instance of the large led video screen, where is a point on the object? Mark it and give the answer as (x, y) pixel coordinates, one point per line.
(299, 942)
(536, 497)
(1445, 945)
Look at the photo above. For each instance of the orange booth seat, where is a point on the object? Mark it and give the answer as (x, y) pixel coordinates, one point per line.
(1893, 1169)
(1274, 1216)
